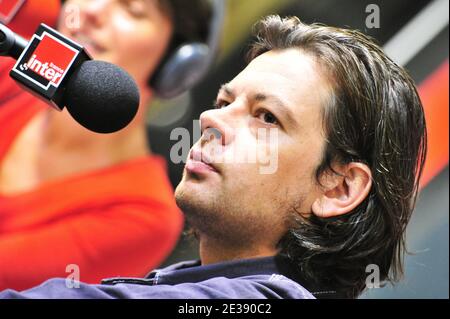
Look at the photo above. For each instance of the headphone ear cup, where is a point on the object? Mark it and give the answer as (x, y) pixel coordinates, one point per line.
(181, 71)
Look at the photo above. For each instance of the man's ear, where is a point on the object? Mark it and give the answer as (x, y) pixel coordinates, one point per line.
(342, 192)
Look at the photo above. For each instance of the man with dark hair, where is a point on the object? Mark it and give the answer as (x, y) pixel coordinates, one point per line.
(350, 144)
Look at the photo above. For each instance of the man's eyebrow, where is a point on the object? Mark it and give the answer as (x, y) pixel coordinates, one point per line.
(278, 103)
(280, 106)
(226, 89)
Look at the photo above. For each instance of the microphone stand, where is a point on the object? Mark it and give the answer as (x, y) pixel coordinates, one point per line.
(11, 44)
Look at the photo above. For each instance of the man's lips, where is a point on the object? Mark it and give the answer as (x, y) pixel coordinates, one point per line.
(199, 162)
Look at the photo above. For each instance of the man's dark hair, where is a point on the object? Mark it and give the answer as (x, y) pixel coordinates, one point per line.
(375, 117)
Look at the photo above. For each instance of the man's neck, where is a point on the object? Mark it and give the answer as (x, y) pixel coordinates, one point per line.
(214, 251)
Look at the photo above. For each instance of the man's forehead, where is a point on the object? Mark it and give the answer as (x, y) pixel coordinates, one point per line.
(290, 63)
(290, 74)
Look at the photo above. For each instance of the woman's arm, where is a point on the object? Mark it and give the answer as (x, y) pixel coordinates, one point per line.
(121, 240)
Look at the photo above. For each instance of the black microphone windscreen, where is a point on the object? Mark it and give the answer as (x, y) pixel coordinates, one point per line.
(101, 96)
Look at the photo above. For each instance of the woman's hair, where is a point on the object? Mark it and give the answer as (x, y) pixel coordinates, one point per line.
(191, 19)
(374, 116)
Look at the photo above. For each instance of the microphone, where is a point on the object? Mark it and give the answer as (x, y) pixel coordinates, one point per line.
(99, 95)
(11, 44)
(102, 97)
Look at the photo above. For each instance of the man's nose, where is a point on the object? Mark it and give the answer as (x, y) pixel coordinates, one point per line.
(216, 126)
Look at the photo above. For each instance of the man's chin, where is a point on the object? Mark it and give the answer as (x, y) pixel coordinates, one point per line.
(193, 195)
(189, 190)
(199, 208)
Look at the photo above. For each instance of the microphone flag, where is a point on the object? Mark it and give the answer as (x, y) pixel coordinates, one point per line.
(47, 62)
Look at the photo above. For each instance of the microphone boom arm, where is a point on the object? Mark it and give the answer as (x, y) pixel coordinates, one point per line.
(11, 44)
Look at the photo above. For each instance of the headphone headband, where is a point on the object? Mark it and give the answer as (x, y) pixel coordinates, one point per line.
(184, 67)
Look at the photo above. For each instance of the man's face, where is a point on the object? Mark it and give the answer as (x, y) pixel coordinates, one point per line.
(238, 201)
(130, 33)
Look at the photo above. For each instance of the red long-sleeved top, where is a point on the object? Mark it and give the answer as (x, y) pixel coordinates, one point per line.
(120, 220)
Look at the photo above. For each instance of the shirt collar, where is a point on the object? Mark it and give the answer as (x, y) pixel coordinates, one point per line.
(193, 271)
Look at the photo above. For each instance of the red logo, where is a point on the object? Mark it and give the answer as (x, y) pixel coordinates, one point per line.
(8, 9)
(51, 59)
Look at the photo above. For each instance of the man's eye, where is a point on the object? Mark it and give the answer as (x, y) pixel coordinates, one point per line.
(268, 117)
(221, 104)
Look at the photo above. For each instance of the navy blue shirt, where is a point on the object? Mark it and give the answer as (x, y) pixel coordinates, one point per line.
(247, 279)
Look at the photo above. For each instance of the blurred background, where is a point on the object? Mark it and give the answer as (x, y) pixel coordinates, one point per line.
(415, 34)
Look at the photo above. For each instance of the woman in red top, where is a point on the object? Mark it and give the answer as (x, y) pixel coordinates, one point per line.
(72, 197)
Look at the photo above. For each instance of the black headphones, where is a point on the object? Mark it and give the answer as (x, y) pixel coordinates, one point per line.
(183, 67)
